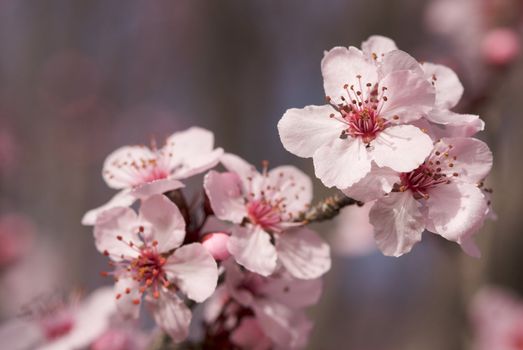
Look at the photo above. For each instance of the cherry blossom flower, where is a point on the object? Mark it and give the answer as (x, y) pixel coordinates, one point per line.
(276, 304)
(264, 206)
(368, 115)
(139, 172)
(55, 324)
(442, 196)
(497, 320)
(500, 46)
(149, 259)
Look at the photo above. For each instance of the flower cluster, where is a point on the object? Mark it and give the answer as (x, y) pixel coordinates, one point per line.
(388, 133)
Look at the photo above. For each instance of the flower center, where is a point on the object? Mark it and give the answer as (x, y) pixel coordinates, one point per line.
(360, 109)
(265, 214)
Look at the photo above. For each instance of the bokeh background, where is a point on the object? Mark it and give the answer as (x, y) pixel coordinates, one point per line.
(81, 78)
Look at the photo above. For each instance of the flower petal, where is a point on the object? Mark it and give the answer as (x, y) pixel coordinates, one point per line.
(398, 223)
(406, 105)
(292, 184)
(399, 60)
(156, 187)
(377, 183)
(249, 335)
(376, 46)
(237, 165)
(172, 315)
(456, 210)
(303, 131)
(402, 148)
(194, 271)
(448, 87)
(225, 194)
(168, 225)
(456, 124)
(252, 248)
(128, 304)
(114, 229)
(342, 66)
(122, 167)
(121, 199)
(303, 253)
(295, 293)
(342, 163)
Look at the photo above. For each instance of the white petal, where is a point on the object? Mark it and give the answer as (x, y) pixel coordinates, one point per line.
(342, 66)
(172, 315)
(377, 46)
(114, 229)
(456, 124)
(194, 271)
(398, 60)
(456, 210)
(377, 183)
(122, 167)
(407, 104)
(198, 164)
(168, 225)
(303, 253)
(121, 199)
(303, 131)
(126, 303)
(342, 163)
(402, 148)
(398, 223)
(252, 248)
(156, 187)
(448, 87)
(225, 194)
(295, 293)
(237, 165)
(292, 184)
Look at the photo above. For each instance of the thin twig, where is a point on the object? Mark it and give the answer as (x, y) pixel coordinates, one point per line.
(327, 209)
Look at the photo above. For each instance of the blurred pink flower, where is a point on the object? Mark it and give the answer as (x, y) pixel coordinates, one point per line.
(500, 46)
(121, 336)
(139, 172)
(17, 233)
(55, 324)
(353, 235)
(497, 320)
(137, 245)
(269, 202)
(249, 335)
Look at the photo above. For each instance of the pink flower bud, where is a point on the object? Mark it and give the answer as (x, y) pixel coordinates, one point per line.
(500, 46)
(216, 244)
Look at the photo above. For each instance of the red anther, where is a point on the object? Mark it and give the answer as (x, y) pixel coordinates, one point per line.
(119, 238)
(156, 294)
(118, 296)
(127, 290)
(155, 243)
(148, 282)
(106, 253)
(136, 301)
(104, 274)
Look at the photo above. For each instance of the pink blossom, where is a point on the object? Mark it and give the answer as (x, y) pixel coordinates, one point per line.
(53, 324)
(368, 115)
(441, 195)
(216, 245)
(16, 234)
(138, 246)
(121, 337)
(500, 46)
(139, 171)
(267, 203)
(277, 303)
(497, 320)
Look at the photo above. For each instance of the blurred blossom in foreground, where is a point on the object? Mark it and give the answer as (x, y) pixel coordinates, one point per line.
(497, 320)
(55, 323)
(500, 46)
(16, 234)
(353, 234)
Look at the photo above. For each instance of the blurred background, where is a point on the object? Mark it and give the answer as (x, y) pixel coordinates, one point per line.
(79, 79)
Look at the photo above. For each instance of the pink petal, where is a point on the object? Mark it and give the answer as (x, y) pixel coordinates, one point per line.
(292, 184)
(294, 293)
(172, 315)
(398, 223)
(252, 248)
(455, 124)
(407, 104)
(342, 163)
(225, 194)
(216, 245)
(237, 165)
(377, 183)
(456, 210)
(121, 199)
(128, 304)
(378, 46)
(402, 148)
(168, 225)
(114, 229)
(342, 66)
(473, 158)
(303, 131)
(20, 334)
(303, 253)
(119, 170)
(199, 164)
(398, 60)
(156, 187)
(448, 87)
(193, 270)
(288, 328)
(249, 335)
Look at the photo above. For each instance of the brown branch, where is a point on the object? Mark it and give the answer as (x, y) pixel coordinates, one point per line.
(327, 209)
